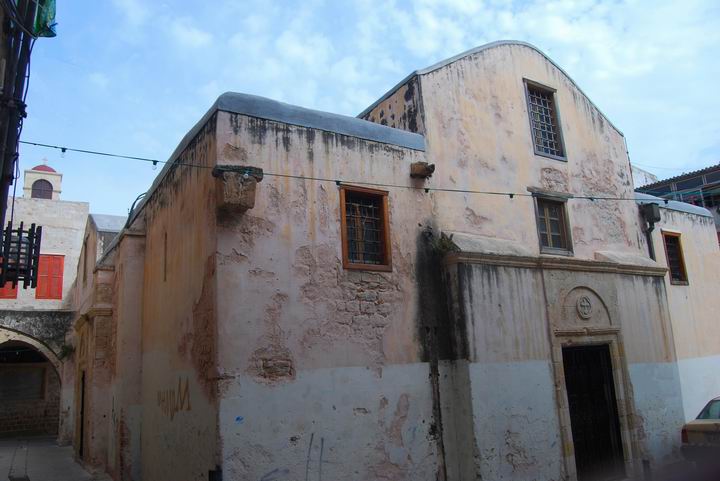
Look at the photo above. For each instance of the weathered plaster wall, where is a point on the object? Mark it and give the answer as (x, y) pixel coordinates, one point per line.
(694, 307)
(402, 109)
(66, 429)
(95, 353)
(63, 224)
(125, 423)
(86, 286)
(518, 319)
(509, 381)
(94, 358)
(478, 135)
(179, 392)
(320, 366)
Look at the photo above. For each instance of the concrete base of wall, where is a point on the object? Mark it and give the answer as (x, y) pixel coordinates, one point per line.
(700, 381)
(659, 411)
(340, 423)
(515, 419)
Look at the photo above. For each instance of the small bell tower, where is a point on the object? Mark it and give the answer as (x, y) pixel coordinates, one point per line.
(42, 182)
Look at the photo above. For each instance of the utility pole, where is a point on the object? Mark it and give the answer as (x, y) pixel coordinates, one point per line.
(18, 39)
(23, 21)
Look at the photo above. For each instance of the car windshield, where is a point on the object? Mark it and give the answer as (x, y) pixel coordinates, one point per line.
(711, 411)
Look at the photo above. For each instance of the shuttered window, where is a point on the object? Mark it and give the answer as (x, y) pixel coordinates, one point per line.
(8, 292)
(50, 277)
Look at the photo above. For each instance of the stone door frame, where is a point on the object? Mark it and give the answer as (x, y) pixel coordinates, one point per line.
(609, 336)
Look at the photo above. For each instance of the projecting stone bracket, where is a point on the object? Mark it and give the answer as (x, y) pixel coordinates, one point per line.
(421, 170)
(236, 186)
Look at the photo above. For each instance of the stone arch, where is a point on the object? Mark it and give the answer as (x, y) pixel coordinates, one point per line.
(583, 306)
(8, 335)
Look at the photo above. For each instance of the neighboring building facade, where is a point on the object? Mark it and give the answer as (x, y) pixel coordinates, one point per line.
(300, 294)
(33, 322)
(684, 241)
(701, 188)
(642, 177)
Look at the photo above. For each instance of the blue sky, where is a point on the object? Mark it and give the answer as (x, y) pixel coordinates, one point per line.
(132, 76)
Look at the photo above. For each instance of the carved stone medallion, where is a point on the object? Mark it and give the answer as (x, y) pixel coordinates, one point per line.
(584, 307)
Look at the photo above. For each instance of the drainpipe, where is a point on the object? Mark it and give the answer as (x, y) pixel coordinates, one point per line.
(651, 214)
(648, 237)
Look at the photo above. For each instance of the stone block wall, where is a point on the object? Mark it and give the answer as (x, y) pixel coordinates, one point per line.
(33, 416)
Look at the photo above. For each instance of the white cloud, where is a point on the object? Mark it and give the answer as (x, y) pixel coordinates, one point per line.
(136, 12)
(99, 80)
(651, 67)
(185, 34)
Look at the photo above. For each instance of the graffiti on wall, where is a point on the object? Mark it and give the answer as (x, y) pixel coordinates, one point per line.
(171, 401)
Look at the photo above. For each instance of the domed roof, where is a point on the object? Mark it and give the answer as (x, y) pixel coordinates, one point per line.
(43, 168)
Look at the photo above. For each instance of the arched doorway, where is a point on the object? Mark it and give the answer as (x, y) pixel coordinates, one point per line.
(29, 387)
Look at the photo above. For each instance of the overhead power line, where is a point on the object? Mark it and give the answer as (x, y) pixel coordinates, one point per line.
(325, 179)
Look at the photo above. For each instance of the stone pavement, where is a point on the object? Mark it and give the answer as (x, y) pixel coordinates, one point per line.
(40, 459)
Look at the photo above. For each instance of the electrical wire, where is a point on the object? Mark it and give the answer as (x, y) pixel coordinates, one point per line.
(64, 149)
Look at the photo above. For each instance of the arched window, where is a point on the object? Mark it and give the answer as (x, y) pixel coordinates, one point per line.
(41, 189)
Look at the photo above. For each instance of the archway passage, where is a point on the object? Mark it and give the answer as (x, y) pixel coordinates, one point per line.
(29, 391)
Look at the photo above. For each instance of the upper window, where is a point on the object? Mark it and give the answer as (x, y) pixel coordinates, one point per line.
(552, 227)
(544, 121)
(41, 189)
(50, 277)
(675, 260)
(365, 229)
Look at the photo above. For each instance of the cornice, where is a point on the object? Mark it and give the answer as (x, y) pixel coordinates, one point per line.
(553, 263)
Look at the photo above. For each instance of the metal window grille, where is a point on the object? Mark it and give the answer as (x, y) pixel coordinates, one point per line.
(543, 118)
(551, 224)
(363, 213)
(675, 259)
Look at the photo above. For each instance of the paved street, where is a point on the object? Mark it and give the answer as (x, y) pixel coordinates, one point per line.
(40, 459)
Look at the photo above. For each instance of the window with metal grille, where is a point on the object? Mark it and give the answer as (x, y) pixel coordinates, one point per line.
(675, 260)
(544, 124)
(552, 226)
(365, 228)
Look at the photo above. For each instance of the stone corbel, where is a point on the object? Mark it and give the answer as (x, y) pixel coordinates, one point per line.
(421, 170)
(236, 186)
